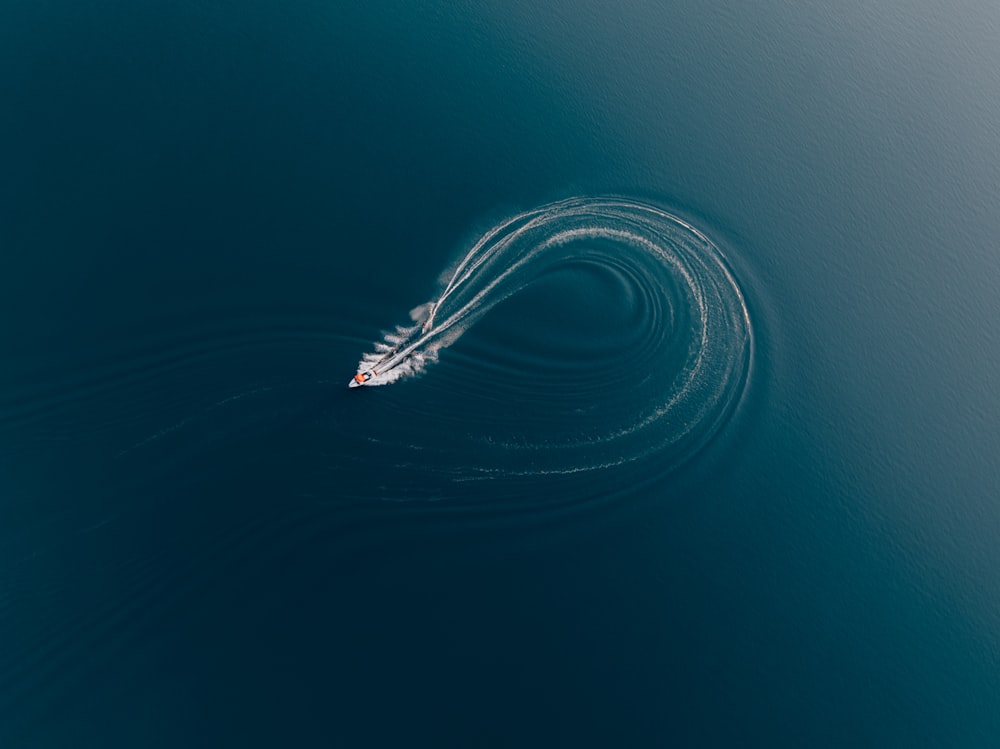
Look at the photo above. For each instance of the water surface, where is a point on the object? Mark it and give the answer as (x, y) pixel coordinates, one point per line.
(212, 211)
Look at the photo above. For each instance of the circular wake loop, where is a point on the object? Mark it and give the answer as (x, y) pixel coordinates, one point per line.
(657, 396)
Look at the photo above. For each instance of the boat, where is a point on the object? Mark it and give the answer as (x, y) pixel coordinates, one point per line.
(361, 378)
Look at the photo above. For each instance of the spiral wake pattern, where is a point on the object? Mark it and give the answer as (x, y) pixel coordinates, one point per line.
(656, 386)
(659, 386)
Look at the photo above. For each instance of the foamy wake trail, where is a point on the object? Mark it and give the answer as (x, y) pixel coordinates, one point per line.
(693, 351)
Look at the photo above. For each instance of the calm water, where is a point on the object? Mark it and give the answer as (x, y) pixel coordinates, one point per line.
(734, 484)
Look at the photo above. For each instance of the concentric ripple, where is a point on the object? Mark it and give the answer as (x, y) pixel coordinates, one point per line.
(655, 366)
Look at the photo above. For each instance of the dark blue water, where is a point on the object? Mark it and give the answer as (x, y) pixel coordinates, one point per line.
(735, 491)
